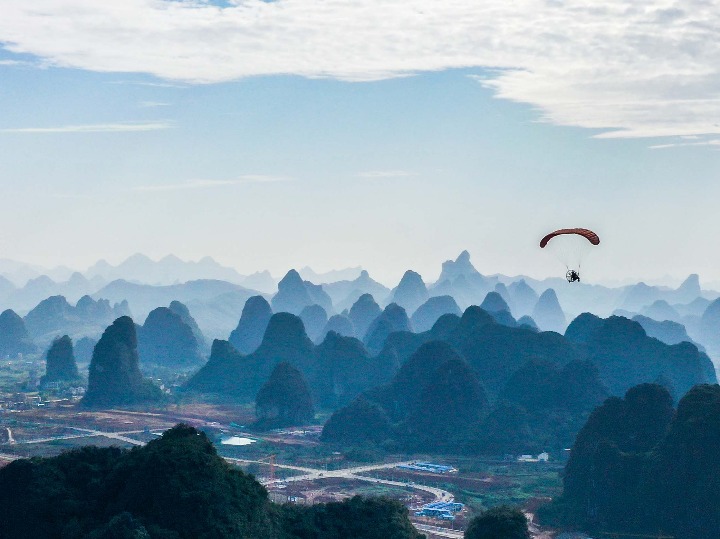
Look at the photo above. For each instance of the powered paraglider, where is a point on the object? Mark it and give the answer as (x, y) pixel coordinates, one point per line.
(570, 245)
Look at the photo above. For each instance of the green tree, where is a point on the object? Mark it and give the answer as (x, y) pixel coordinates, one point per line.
(355, 518)
(122, 526)
(503, 522)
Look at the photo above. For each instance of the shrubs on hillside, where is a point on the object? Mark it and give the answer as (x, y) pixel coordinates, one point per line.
(174, 487)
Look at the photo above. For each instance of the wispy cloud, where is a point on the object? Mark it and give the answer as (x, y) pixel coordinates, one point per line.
(385, 174)
(11, 63)
(150, 84)
(153, 104)
(70, 196)
(210, 184)
(712, 142)
(94, 128)
(627, 68)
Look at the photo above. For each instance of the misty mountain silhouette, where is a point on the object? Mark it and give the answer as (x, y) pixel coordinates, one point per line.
(461, 266)
(337, 370)
(392, 319)
(363, 313)
(345, 293)
(284, 400)
(410, 293)
(710, 327)
(54, 317)
(332, 276)
(184, 313)
(261, 281)
(60, 363)
(548, 314)
(252, 325)
(427, 314)
(339, 324)
(494, 303)
(166, 271)
(294, 295)
(14, 337)
(625, 356)
(166, 340)
(522, 298)
(661, 310)
(527, 322)
(666, 331)
(115, 377)
(314, 319)
(215, 305)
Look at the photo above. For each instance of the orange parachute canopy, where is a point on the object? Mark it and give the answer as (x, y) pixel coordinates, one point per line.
(584, 232)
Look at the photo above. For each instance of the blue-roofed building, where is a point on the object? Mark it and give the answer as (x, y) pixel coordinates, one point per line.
(428, 467)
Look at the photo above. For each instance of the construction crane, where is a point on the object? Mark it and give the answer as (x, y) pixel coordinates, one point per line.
(271, 461)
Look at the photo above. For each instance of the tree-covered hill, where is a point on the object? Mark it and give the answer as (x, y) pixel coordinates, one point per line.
(336, 371)
(638, 466)
(115, 377)
(175, 487)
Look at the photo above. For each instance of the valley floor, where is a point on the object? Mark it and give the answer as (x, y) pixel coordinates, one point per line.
(291, 463)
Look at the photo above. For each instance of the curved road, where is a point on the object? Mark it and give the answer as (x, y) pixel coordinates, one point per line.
(312, 474)
(308, 474)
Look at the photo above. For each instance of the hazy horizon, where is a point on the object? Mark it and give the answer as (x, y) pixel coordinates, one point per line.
(277, 152)
(390, 281)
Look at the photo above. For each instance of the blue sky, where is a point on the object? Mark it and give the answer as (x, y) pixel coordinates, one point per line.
(265, 158)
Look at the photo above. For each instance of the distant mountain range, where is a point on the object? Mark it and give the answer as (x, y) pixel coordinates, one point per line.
(216, 294)
(20, 273)
(141, 269)
(167, 270)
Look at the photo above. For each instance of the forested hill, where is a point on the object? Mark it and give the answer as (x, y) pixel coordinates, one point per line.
(513, 388)
(174, 487)
(640, 467)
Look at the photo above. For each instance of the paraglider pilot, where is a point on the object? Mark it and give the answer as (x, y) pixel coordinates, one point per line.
(572, 275)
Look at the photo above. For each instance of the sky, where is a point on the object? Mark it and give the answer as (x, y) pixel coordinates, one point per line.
(386, 134)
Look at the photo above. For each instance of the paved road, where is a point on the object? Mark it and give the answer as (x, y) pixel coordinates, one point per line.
(440, 532)
(11, 440)
(308, 471)
(120, 436)
(313, 474)
(87, 433)
(308, 474)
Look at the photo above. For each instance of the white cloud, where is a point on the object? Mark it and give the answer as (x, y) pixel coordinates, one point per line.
(151, 84)
(94, 128)
(153, 104)
(19, 63)
(208, 184)
(712, 142)
(628, 68)
(383, 174)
